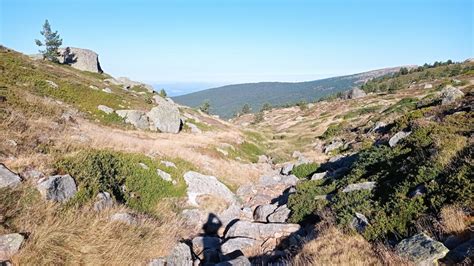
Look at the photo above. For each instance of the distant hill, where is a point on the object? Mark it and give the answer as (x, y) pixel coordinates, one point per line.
(228, 100)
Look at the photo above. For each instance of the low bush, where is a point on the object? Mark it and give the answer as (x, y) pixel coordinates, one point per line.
(304, 170)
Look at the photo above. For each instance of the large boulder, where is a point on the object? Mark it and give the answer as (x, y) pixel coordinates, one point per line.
(280, 215)
(128, 83)
(421, 249)
(262, 212)
(82, 59)
(9, 245)
(137, 118)
(57, 188)
(451, 94)
(242, 244)
(261, 231)
(200, 185)
(180, 256)
(165, 118)
(7, 177)
(354, 94)
(333, 145)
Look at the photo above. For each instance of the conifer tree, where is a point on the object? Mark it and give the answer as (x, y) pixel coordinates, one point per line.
(51, 43)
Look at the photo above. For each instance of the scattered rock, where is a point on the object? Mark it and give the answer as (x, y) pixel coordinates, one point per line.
(82, 59)
(57, 188)
(421, 249)
(164, 175)
(194, 128)
(428, 86)
(239, 261)
(261, 231)
(359, 186)
(199, 184)
(105, 109)
(397, 137)
(333, 145)
(360, 222)
(180, 256)
(379, 126)
(264, 159)
(267, 180)
(223, 152)
(107, 90)
(124, 217)
(8, 178)
(354, 94)
(450, 94)
(280, 215)
(286, 169)
(32, 174)
(201, 243)
(52, 84)
(262, 212)
(143, 166)
(93, 87)
(319, 176)
(165, 118)
(103, 201)
(9, 245)
(238, 244)
(137, 118)
(168, 164)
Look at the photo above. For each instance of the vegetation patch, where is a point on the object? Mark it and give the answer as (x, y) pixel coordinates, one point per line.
(304, 170)
(130, 178)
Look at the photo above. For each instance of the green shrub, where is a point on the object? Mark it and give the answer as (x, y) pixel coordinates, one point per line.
(303, 203)
(333, 130)
(96, 171)
(304, 170)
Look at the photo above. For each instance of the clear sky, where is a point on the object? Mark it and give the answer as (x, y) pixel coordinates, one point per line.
(226, 41)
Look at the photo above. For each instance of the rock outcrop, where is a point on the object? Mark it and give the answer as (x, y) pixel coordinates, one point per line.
(82, 59)
(200, 185)
(165, 118)
(397, 137)
(450, 94)
(134, 117)
(354, 94)
(9, 245)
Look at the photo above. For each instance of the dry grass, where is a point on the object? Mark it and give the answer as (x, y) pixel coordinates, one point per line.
(333, 247)
(81, 236)
(453, 219)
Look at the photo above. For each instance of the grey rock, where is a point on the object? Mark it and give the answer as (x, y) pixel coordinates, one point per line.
(262, 212)
(286, 169)
(319, 176)
(8, 178)
(103, 201)
(157, 262)
(450, 95)
(107, 90)
(32, 174)
(165, 118)
(168, 164)
(261, 231)
(143, 166)
(270, 180)
(461, 252)
(194, 128)
(418, 191)
(421, 249)
(58, 188)
(264, 159)
(222, 151)
(137, 118)
(379, 126)
(238, 243)
(333, 145)
(82, 59)
(280, 215)
(125, 218)
(180, 256)
(354, 94)
(233, 212)
(199, 184)
(359, 186)
(359, 222)
(52, 84)
(9, 245)
(194, 217)
(105, 109)
(428, 86)
(128, 84)
(164, 175)
(201, 243)
(397, 137)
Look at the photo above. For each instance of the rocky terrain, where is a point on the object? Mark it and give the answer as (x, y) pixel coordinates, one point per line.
(102, 170)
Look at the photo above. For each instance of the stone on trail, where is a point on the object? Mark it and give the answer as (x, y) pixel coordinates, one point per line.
(7, 177)
(261, 231)
(199, 185)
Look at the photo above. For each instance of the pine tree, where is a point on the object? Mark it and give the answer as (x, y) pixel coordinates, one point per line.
(163, 93)
(52, 42)
(205, 107)
(246, 109)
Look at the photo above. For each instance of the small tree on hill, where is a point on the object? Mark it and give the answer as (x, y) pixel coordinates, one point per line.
(246, 109)
(205, 107)
(266, 107)
(52, 42)
(163, 93)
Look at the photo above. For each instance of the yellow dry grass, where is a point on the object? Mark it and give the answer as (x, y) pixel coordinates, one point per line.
(76, 236)
(335, 248)
(453, 219)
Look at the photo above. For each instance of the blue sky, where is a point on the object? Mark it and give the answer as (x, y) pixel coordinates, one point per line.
(204, 43)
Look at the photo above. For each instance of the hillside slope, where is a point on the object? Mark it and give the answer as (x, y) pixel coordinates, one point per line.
(228, 100)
